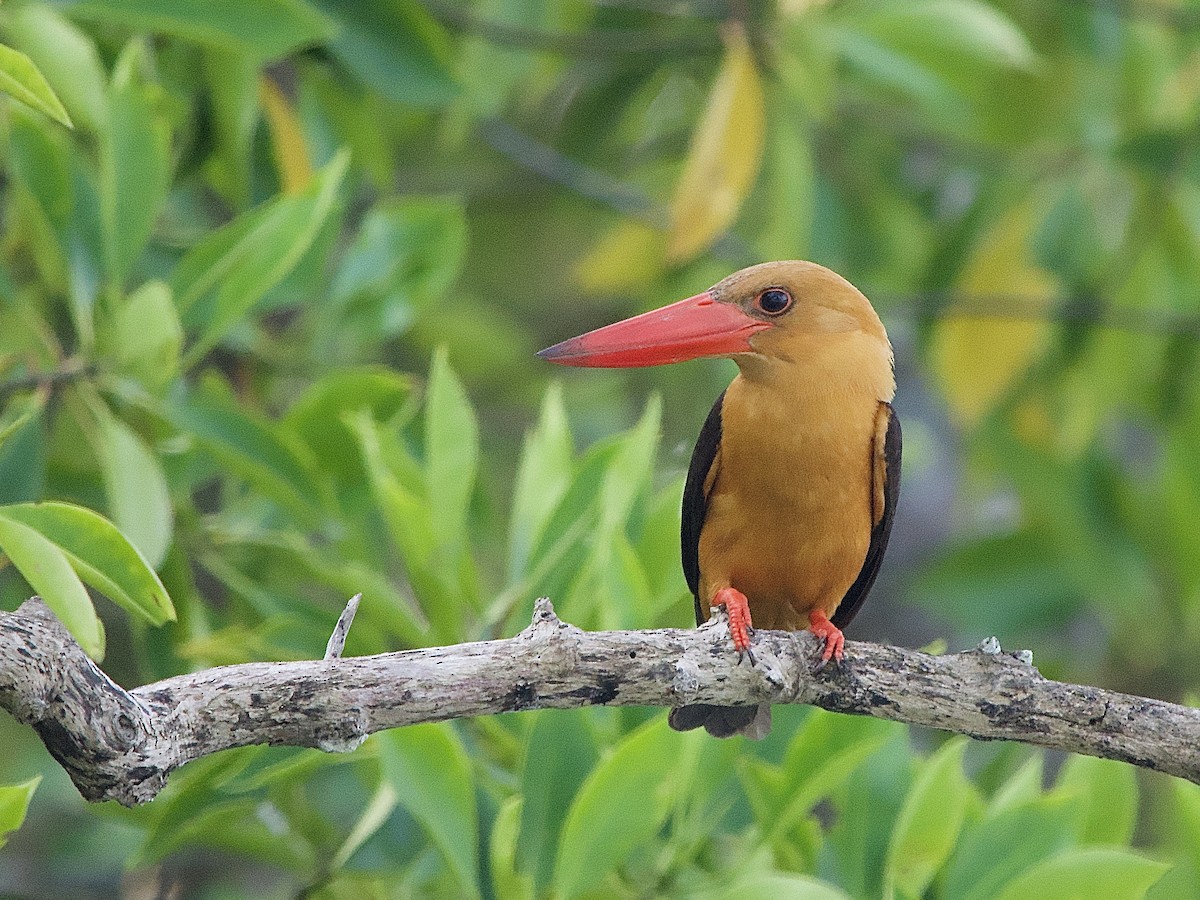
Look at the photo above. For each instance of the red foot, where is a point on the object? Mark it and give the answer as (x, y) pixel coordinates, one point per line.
(738, 610)
(819, 624)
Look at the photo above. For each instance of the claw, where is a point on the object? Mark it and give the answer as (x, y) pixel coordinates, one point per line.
(835, 641)
(737, 607)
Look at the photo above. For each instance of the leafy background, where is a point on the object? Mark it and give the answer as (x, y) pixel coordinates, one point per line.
(271, 279)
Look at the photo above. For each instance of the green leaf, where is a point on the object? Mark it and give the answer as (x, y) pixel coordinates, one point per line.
(787, 223)
(430, 771)
(968, 27)
(266, 29)
(235, 826)
(621, 805)
(490, 72)
(83, 243)
(543, 476)
(868, 806)
(14, 803)
(1001, 847)
(135, 169)
(630, 469)
(146, 337)
(929, 822)
(657, 547)
(396, 48)
(559, 561)
(405, 257)
(222, 251)
(1083, 874)
(316, 417)
(626, 587)
(451, 452)
(138, 496)
(781, 886)
(20, 78)
(43, 195)
(1104, 796)
(372, 819)
(822, 754)
(40, 159)
(49, 573)
(897, 72)
(409, 523)
(1008, 583)
(558, 756)
(1023, 786)
(233, 268)
(21, 417)
(622, 591)
(66, 57)
(100, 555)
(231, 84)
(502, 853)
(23, 456)
(266, 454)
(1185, 798)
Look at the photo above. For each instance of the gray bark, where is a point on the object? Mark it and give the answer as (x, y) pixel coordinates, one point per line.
(121, 745)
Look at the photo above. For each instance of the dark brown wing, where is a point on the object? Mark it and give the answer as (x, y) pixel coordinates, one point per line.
(695, 500)
(879, 534)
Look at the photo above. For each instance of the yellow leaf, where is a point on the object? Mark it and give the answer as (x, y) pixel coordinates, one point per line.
(629, 255)
(725, 155)
(287, 138)
(1176, 99)
(977, 358)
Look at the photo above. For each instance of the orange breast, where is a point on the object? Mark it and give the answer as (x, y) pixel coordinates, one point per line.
(790, 504)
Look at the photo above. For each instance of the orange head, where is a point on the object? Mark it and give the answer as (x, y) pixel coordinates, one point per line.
(772, 311)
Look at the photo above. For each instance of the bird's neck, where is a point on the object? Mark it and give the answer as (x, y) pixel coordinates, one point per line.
(823, 369)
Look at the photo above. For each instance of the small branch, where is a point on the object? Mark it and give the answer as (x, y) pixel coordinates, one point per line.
(337, 640)
(72, 369)
(1170, 15)
(121, 745)
(600, 44)
(627, 199)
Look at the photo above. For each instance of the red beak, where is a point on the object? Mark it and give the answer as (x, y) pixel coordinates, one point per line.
(695, 327)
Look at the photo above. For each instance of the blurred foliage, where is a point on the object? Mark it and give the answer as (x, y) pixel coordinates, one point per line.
(270, 284)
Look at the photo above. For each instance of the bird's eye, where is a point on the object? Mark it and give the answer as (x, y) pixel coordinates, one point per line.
(774, 301)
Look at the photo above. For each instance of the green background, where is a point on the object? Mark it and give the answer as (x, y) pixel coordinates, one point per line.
(272, 275)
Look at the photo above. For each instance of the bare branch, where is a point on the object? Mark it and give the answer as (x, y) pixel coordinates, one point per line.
(337, 640)
(601, 43)
(71, 369)
(121, 745)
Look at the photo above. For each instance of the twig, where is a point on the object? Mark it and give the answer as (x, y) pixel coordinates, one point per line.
(121, 745)
(337, 640)
(551, 164)
(1173, 16)
(71, 369)
(620, 196)
(1087, 310)
(601, 44)
(555, 166)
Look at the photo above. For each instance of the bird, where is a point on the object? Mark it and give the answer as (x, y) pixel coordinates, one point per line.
(793, 484)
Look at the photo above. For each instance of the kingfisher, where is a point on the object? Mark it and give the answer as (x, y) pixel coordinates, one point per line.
(793, 483)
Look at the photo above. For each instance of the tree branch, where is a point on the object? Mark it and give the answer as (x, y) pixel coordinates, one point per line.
(600, 43)
(71, 369)
(121, 745)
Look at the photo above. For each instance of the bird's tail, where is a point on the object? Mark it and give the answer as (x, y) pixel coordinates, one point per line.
(724, 721)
